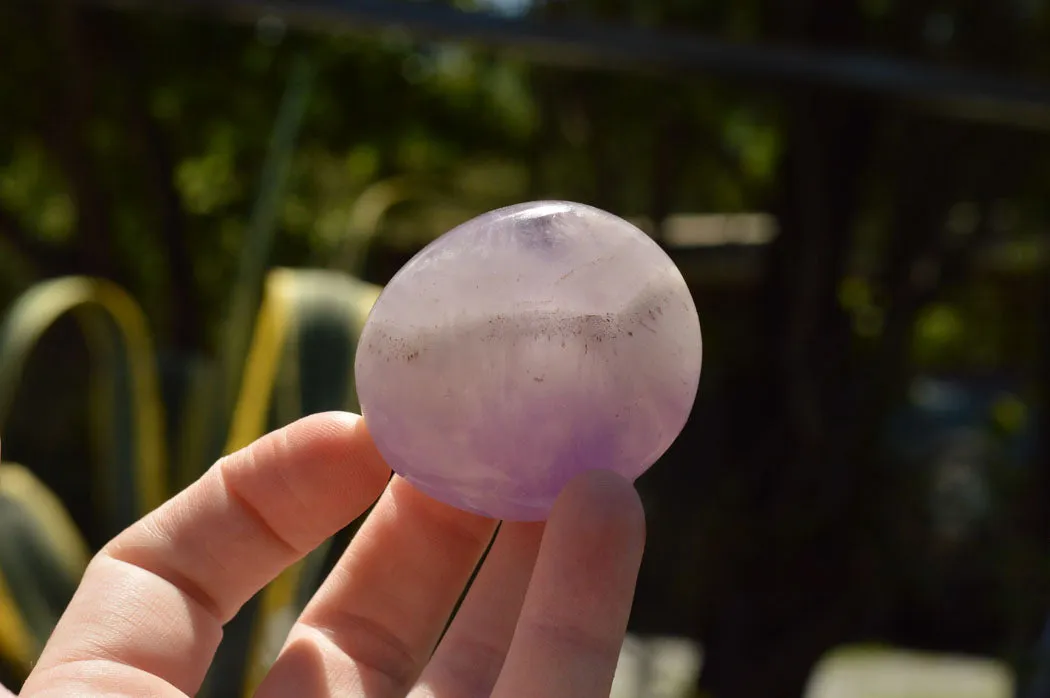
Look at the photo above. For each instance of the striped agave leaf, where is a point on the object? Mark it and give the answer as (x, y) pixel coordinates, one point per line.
(126, 409)
(290, 357)
(42, 557)
(217, 385)
(300, 362)
(42, 554)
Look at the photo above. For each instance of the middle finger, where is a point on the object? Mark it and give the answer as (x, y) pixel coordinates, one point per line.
(469, 659)
(372, 625)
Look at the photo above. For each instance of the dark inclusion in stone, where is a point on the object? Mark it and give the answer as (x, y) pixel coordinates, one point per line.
(543, 233)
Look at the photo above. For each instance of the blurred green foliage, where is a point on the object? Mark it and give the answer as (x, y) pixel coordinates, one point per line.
(299, 361)
(289, 340)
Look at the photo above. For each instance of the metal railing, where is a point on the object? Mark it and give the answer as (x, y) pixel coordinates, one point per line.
(958, 94)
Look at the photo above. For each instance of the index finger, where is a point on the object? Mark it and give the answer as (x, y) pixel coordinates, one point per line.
(152, 603)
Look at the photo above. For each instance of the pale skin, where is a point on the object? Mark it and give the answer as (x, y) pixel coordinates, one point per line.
(545, 618)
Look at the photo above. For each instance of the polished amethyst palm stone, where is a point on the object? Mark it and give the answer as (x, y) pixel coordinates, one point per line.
(524, 347)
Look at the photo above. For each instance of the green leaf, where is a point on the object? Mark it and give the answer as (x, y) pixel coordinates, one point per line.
(131, 464)
(300, 362)
(215, 388)
(42, 558)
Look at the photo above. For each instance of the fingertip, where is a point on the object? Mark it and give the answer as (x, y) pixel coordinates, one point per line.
(605, 499)
(575, 613)
(346, 434)
(159, 594)
(337, 443)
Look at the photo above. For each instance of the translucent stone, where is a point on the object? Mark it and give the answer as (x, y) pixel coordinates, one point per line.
(524, 347)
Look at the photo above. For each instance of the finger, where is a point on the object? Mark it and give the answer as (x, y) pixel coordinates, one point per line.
(152, 603)
(574, 618)
(374, 622)
(469, 659)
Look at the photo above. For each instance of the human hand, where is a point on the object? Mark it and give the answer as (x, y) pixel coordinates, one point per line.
(546, 615)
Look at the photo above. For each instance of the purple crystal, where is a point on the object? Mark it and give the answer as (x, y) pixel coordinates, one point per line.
(524, 347)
